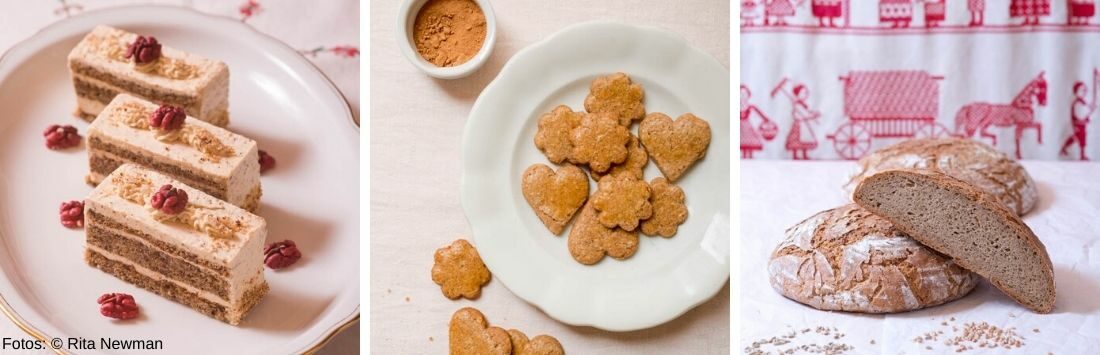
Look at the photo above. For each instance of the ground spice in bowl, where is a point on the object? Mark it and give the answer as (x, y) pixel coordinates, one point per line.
(449, 32)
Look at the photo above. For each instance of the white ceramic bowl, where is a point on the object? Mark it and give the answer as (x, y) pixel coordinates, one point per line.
(406, 18)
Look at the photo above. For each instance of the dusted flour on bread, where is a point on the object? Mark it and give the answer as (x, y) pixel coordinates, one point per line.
(964, 159)
(847, 259)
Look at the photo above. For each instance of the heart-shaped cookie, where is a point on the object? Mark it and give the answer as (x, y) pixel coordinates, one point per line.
(674, 145)
(539, 345)
(470, 333)
(555, 196)
(589, 240)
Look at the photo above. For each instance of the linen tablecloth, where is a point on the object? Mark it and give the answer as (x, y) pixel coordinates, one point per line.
(326, 32)
(836, 79)
(778, 194)
(416, 130)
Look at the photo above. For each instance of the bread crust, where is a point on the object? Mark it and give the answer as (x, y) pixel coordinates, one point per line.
(977, 163)
(847, 259)
(980, 199)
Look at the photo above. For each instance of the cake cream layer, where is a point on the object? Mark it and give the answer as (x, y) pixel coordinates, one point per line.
(99, 68)
(159, 284)
(211, 239)
(110, 236)
(210, 158)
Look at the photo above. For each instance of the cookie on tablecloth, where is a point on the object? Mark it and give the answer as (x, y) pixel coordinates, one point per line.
(539, 345)
(459, 271)
(470, 334)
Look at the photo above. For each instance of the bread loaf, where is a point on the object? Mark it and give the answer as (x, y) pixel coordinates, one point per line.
(962, 221)
(965, 159)
(847, 259)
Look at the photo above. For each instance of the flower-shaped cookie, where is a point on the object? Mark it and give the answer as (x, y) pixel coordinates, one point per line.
(622, 201)
(669, 211)
(555, 196)
(555, 127)
(599, 141)
(589, 240)
(459, 271)
(471, 334)
(674, 145)
(616, 94)
(636, 160)
(539, 345)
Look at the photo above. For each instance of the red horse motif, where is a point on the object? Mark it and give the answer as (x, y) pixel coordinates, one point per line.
(979, 116)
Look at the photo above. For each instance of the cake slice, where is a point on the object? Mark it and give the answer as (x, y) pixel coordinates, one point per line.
(100, 70)
(205, 254)
(962, 221)
(219, 162)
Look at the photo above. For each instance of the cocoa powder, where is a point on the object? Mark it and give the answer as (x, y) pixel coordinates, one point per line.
(449, 32)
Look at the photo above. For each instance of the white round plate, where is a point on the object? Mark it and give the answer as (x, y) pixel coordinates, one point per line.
(276, 97)
(666, 277)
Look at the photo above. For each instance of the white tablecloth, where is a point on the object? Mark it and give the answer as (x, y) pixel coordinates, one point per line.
(326, 32)
(777, 194)
(416, 129)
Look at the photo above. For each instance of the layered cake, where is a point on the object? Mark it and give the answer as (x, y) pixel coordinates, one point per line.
(174, 240)
(221, 163)
(109, 61)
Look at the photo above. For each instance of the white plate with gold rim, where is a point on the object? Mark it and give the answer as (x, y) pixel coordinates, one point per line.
(665, 277)
(276, 97)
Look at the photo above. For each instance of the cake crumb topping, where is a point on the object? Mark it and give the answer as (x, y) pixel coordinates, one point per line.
(136, 116)
(112, 47)
(201, 217)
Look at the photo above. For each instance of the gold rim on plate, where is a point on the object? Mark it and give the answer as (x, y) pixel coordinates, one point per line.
(14, 317)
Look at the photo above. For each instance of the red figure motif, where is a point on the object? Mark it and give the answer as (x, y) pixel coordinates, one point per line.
(826, 11)
(779, 10)
(977, 12)
(1079, 11)
(1030, 10)
(898, 13)
(979, 116)
(750, 10)
(800, 138)
(752, 140)
(887, 104)
(935, 11)
(1080, 114)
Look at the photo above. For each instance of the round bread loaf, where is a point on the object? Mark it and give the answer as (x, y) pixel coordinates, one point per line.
(847, 259)
(964, 159)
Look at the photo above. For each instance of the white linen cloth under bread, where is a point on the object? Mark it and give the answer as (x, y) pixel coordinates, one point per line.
(1064, 220)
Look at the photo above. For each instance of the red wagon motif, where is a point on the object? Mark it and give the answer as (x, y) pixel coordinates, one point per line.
(1079, 11)
(887, 104)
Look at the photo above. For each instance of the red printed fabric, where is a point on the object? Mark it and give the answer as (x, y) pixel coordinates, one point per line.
(827, 79)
